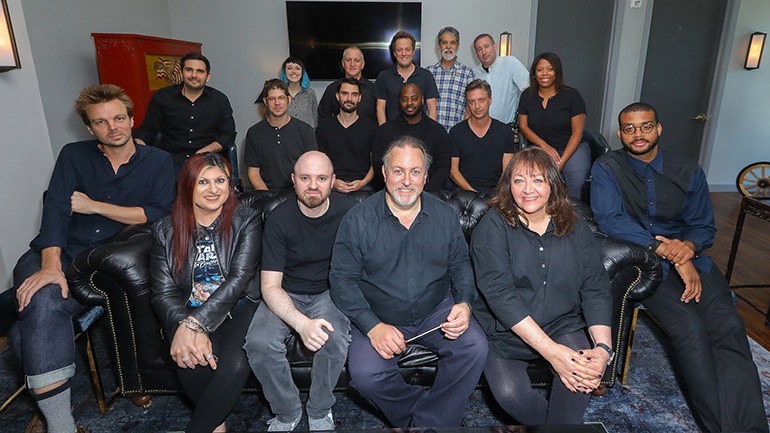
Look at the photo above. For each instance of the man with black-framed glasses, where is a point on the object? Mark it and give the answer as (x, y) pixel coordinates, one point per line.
(661, 201)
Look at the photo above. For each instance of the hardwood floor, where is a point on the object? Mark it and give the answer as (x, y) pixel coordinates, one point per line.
(751, 264)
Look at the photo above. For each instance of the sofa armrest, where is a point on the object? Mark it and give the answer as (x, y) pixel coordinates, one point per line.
(124, 259)
(618, 255)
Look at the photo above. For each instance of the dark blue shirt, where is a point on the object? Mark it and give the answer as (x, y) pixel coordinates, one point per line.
(636, 201)
(146, 180)
(383, 272)
(389, 84)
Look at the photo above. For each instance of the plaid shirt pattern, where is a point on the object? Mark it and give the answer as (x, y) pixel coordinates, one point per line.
(451, 83)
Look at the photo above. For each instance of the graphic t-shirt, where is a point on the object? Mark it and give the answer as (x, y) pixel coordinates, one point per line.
(207, 275)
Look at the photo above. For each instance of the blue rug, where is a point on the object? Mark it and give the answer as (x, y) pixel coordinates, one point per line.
(649, 402)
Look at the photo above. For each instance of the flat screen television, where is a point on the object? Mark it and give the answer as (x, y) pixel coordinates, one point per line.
(320, 31)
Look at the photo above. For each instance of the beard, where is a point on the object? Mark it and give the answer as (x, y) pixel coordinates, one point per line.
(312, 201)
(405, 202)
(448, 55)
(348, 108)
(636, 151)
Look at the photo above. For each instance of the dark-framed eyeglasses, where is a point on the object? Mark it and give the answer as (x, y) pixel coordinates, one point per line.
(646, 128)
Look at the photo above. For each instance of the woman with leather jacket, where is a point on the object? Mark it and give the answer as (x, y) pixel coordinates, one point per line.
(203, 265)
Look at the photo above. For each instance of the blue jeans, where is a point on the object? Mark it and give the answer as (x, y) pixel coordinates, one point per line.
(266, 349)
(576, 170)
(43, 337)
(457, 373)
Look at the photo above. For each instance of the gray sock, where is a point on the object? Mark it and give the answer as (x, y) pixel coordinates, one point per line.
(57, 409)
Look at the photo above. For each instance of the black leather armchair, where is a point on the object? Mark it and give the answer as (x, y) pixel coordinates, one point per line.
(116, 275)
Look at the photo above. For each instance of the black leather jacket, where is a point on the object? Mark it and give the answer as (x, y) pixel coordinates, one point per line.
(240, 266)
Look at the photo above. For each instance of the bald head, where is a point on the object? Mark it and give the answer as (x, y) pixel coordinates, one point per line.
(313, 178)
(314, 158)
(353, 62)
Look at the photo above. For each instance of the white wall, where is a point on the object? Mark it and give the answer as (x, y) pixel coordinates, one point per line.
(742, 133)
(60, 36)
(246, 40)
(27, 158)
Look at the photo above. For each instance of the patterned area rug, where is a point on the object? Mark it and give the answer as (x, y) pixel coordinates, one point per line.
(649, 402)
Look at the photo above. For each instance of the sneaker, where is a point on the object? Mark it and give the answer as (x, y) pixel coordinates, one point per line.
(325, 423)
(275, 425)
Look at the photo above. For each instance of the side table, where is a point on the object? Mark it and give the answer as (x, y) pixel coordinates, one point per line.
(759, 209)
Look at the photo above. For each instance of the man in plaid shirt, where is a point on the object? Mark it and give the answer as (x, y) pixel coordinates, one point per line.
(451, 78)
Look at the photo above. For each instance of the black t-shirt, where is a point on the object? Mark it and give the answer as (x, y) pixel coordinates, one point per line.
(431, 133)
(349, 148)
(301, 247)
(553, 123)
(275, 150)
(481, 158)
(330, 107)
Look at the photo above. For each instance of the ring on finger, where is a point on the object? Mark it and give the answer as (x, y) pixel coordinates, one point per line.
(209, 356)
(185, 359)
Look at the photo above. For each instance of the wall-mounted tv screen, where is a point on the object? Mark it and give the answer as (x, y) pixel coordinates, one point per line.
(320, 31)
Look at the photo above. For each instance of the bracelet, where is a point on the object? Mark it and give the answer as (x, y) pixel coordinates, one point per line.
(193, 326)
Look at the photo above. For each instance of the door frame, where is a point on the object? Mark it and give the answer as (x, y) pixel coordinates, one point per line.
(617, 94)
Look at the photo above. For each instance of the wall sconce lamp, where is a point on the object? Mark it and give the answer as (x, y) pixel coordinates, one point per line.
(9, 56)
(505, 43)
(754, 53)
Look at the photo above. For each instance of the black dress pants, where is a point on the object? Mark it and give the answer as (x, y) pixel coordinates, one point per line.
(711, 354)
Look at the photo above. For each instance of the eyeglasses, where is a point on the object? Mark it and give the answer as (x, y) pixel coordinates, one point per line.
(273, 99)
(646, 128)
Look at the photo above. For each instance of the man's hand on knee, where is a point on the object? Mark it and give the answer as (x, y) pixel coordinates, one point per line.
(312, 333)
(457, 321)
(387, 340)
(38, 280)
(691, 279)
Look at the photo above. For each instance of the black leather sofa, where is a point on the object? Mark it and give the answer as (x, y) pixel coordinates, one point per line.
(116, 275)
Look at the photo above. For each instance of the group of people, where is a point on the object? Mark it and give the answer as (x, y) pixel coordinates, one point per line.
(360, 281)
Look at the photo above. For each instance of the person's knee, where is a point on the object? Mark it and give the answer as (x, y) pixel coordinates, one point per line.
(44, 302)
(263, 345)
(473, 344)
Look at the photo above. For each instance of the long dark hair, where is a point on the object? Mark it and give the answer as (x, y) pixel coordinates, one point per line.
(182, 215)
(534, 159)
(555, 62)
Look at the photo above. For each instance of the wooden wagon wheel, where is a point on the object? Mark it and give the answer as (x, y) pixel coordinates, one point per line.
(754, 180)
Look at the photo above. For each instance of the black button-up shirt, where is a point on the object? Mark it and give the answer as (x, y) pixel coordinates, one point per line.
(146, 180)
(559, 281)
(187, 126)
(383, 272)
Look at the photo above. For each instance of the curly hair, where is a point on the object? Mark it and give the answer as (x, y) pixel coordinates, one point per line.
(535, 160)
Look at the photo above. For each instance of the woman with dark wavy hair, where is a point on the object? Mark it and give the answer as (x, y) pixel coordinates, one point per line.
(542, 283)
(203, 265)
(552, 116)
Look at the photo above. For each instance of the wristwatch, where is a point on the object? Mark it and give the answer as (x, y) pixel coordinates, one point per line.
(608, 349)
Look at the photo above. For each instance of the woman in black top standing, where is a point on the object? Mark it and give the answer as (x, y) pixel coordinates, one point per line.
(552, 116)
